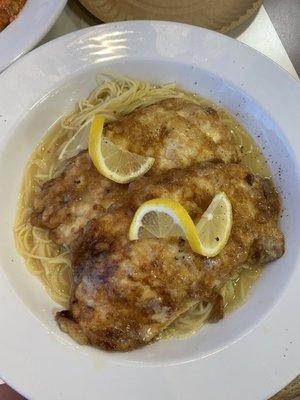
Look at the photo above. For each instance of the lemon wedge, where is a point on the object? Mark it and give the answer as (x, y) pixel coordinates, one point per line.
(118, 165)
(215, 224)
(164, 218)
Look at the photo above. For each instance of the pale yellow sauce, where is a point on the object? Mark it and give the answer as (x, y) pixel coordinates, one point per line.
(52, 263)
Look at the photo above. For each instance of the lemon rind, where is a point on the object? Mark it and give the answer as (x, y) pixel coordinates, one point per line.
(95, 152)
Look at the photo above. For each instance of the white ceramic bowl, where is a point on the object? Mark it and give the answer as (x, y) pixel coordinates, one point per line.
(30, 26)
(254, 350)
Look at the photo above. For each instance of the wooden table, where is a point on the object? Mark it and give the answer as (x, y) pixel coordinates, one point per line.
(275, 31)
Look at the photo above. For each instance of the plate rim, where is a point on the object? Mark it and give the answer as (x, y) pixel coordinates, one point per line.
(13, 32)
(77, 34)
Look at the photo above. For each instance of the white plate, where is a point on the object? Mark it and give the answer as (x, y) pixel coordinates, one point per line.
(255, 350)
(30, 26)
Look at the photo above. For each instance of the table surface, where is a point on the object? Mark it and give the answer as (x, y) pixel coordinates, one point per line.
(274, 31)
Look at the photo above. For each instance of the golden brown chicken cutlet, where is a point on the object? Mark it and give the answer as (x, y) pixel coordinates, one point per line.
(126, 293)
(177, 133)
(67, 203)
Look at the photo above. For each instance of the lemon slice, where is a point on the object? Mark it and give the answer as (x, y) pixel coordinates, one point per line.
(76, 143)
(164, 218)
(215, 225)
(120, 166)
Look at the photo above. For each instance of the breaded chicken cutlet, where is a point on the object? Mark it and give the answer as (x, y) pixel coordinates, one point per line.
(127, 292)
(9, 9)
